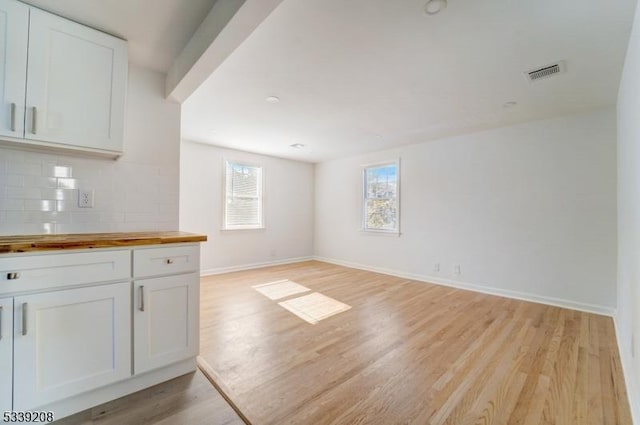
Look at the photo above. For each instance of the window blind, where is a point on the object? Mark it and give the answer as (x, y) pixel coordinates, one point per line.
(243, 196)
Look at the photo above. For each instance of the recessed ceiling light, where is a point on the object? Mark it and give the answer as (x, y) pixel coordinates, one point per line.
(433, 7)
(510, 104)
(297, 146)
(273, 99)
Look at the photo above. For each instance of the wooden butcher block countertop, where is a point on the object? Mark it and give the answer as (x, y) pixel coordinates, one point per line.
(29, 243)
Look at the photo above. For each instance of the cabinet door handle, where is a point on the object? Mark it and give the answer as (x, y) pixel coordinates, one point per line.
(13, 117)
(141, 289)
(34, 120)
(13, 276)
(0, 322)
(169, 260)
(24, 319)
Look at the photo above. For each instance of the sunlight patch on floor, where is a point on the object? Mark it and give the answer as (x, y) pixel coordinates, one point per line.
(280, 289)
(314, 307)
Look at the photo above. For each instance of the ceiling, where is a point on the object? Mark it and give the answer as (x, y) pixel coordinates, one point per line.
(363, 75)
(157, 30)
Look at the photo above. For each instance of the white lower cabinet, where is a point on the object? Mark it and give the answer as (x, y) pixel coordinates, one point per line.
(81, 328)
(165, 320)
(6, 352)
(69, 342)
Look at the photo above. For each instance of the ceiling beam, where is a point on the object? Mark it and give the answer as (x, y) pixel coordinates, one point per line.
(226, 27)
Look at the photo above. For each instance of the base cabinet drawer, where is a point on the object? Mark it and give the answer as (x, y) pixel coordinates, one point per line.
(166, 320)
(150, 262)
(69, 342)
(48, 271)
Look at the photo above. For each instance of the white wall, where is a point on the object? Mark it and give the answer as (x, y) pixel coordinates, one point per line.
(529, 209)
(139, 191)
(628, 316)
(288, 203)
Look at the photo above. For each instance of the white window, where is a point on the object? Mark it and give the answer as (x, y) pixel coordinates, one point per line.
(381, 206)
(243, 196)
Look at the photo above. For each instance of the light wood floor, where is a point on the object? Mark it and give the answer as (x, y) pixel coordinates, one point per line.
(189, 399)
(407, 352)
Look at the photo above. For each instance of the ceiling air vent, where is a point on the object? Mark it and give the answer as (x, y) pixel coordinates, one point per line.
(546, 71)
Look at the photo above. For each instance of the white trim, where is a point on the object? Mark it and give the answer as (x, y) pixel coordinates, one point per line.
(524, 296)
(261, 196)
(363, 198)
(230, 269)
(394, 233)
(627, 371)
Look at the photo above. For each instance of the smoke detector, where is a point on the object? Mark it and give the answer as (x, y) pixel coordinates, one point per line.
(546, 71)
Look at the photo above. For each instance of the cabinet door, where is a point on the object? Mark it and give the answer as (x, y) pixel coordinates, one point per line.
(6, 352)
(166, 322)
(69, 342)
(14, 27)
(76, 84)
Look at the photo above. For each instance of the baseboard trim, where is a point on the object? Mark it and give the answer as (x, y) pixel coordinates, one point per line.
(627, 371)
(523, 296)
(242, 267)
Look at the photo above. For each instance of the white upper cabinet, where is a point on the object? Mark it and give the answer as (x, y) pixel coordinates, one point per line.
(14, 35)
(76, 84)
(65, 87)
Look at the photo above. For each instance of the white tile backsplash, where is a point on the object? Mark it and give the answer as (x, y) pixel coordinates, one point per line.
(138, 192)
(127, 196)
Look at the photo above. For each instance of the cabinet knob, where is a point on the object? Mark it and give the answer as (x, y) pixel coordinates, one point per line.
(169, 261)
(13, 276)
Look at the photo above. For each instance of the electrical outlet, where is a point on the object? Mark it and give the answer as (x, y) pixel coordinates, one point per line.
(456, 269)
(436, 267)
(85, 198)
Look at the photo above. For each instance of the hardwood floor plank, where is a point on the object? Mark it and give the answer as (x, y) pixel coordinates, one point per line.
(406, 352)
(189, 399)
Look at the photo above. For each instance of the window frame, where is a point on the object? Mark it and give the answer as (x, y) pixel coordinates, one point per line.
(261, 197)
(363, 199)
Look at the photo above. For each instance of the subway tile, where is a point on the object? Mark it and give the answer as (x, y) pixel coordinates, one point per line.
(67, 205)
(39, 205)
(14, 180)
(39, 181)
(60, 194)
(22, 193)
(85, 217)
(10, 229)
(55, 217)
(112, 217)
(11, 155)
(55, 170)
(22, 217)
(11, 204)
(140, 217)
(38, 228)
(66, 183)
(26, 168)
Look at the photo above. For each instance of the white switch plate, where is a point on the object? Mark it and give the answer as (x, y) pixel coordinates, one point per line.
(85, 198)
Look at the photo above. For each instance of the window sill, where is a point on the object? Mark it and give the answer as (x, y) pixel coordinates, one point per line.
(388, 233)
(243, 229)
